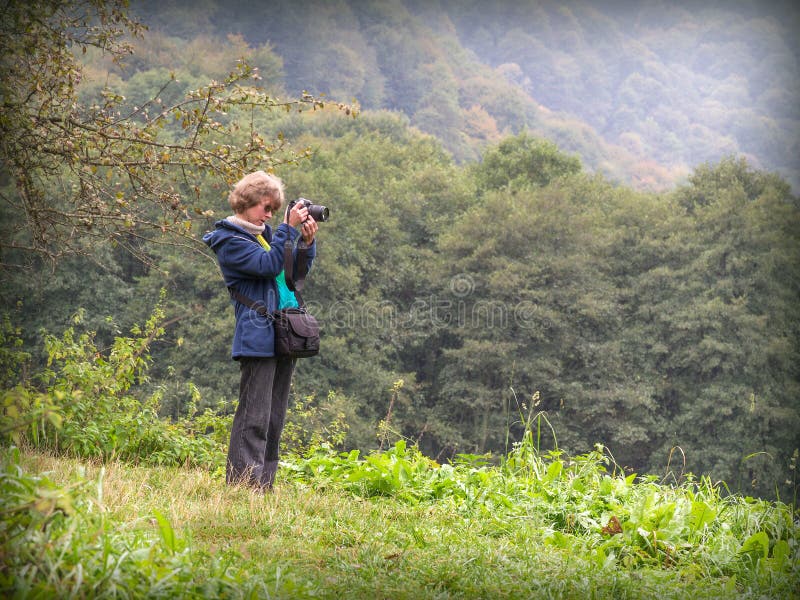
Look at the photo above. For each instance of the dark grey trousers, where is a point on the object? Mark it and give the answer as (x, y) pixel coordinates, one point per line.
(259, 419)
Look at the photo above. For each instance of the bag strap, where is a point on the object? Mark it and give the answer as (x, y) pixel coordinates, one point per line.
(259, 308)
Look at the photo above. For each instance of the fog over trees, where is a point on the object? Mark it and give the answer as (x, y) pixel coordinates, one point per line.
(642, 91)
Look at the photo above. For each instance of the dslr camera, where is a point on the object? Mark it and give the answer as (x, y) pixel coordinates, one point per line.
(317, 211)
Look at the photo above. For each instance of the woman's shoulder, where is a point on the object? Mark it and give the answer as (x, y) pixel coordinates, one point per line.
(225, 231)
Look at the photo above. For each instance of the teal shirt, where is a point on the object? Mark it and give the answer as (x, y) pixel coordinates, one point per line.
(286, 297)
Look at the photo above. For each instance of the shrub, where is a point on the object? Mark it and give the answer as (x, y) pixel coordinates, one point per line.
(85, 405)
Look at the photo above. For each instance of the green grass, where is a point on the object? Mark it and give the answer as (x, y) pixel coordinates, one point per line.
(391, 525)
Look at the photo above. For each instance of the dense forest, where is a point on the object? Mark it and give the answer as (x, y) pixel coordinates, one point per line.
(522, 231)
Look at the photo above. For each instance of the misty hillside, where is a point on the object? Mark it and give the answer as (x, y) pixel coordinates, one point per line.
(641, 91)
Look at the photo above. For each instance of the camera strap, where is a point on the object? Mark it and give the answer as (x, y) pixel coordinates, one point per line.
(295, 281)
(294, 284)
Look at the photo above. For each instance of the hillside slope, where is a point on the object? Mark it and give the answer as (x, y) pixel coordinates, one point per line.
(642, 92)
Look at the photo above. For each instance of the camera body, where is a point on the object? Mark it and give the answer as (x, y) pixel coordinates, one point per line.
(317, 211)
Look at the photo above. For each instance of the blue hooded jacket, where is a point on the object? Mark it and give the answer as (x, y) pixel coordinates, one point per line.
(251, 270)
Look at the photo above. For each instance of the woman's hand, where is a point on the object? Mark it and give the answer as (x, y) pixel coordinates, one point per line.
(309, 230)
(297, 215)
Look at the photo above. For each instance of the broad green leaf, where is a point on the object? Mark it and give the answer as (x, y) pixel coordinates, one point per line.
(757, 546)
(701, 515)
(780, 554)
(554, 470)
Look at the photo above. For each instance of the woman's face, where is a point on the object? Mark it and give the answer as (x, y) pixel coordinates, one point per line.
(260, 213)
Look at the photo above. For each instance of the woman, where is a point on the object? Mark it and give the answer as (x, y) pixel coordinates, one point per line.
(251, 257)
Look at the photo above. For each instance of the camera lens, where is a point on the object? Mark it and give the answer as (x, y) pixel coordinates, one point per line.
(317, 211)
(320, 213)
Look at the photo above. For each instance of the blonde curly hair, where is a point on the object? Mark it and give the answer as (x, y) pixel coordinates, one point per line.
(253, 188)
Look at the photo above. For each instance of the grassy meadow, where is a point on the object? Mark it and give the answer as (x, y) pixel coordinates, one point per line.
(389, 525)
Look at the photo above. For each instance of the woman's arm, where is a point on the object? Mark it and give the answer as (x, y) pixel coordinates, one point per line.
(246, 258)
(308, 243)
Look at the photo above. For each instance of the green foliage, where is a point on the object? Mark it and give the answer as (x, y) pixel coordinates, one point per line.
(523, 160)
(87, 407)
(59, 541)
(733, 245)
(388, 521)
(583, 508)
(23, 409)
(636, 316)
(13, 358)
(311, 424)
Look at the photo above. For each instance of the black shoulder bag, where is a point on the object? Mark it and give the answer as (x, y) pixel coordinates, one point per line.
(296, 330)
